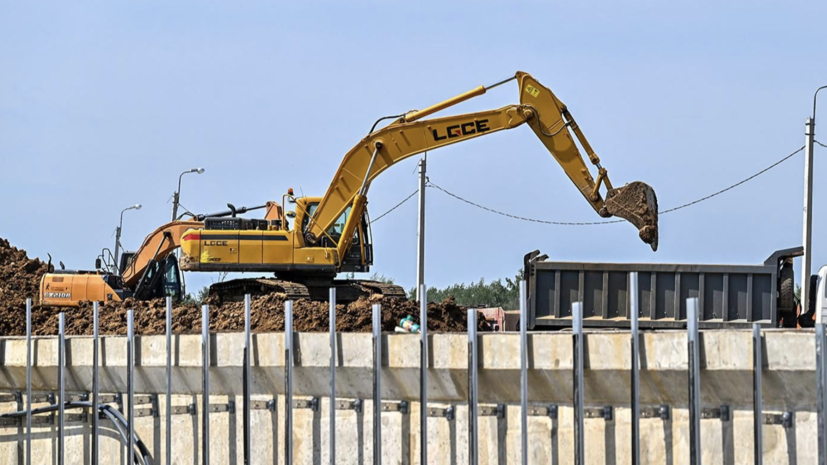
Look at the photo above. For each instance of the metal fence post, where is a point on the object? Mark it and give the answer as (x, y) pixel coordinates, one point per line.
(28, 381)
(61, 388)
(130, 382)
(523, 375)
(95, 383)
(377, 384)
(248, 355)
(205, 389)
(473, 399)
(288, 382)
(694, 382)
(168, 437)
(634, 310)
(423, 374)
(757, 395)
(332, 407)
(577, 394)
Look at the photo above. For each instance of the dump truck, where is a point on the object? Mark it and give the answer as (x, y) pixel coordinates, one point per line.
(728, 295)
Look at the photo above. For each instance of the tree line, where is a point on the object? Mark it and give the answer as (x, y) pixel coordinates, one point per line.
(503, 292)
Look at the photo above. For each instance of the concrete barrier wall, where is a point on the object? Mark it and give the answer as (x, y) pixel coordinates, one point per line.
(726, 379)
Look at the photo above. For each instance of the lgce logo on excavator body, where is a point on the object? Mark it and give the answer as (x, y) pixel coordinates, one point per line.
(215, 243)
(464, 129)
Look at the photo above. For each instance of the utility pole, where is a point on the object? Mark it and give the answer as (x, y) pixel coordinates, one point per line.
(806, 259)
(420, 229)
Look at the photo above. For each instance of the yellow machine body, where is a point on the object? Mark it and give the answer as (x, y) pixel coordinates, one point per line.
(270, 248)
(68, 290)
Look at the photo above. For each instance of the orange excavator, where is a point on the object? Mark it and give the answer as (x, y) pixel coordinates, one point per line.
(331, 234)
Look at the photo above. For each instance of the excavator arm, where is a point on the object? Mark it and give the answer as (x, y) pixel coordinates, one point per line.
(157, 246)
(410, 135)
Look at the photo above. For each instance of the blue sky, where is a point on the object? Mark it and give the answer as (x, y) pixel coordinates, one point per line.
(103, 104)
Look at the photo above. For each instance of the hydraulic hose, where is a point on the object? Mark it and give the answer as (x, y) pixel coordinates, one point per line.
(142, 455)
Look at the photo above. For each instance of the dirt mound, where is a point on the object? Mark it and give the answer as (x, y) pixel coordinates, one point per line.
(19, 275)
(20, 279)
(266, 315)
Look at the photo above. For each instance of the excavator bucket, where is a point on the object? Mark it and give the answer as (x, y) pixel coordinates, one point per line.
(637, 203)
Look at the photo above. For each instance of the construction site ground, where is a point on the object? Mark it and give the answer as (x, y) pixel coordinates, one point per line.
(20, 279)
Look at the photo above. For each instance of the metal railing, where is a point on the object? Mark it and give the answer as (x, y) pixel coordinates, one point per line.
(100, 406)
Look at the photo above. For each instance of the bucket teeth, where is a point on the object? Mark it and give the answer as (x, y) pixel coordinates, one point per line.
(637, 203)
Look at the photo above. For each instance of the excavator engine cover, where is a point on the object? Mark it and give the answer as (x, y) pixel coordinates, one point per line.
(637, 203)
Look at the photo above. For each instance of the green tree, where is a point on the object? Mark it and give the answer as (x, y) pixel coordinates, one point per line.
(381, 278)
(498, 293)
(198, 298)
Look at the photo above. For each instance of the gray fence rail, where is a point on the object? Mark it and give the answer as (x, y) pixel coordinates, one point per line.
(100, 406)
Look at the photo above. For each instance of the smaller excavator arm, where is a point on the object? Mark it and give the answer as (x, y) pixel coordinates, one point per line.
(157, 246)
(410, 135)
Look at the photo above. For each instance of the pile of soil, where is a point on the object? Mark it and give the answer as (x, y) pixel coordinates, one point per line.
(20, 279)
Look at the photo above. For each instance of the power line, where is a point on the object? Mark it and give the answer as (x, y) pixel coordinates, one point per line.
(516, 217)
(734, 185)
(594, 223)
(819, 143)
(395, 207)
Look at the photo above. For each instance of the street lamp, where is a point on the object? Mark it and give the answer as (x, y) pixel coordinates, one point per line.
(118, 231)
(177, 195)
(806, 259)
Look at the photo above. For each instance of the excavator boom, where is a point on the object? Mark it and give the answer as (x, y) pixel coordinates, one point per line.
(156, 246)
(411, 134)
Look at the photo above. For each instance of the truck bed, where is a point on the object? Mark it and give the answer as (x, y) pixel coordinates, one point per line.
(728, 295)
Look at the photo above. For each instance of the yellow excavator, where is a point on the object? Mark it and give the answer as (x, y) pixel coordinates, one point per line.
(331, 234)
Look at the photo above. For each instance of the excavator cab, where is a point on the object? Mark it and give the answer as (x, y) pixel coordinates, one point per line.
(359, 256)
(163, 279)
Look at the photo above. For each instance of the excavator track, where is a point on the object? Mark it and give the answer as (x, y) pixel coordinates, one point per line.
(234, 290)
(374, 289)
(346, 290)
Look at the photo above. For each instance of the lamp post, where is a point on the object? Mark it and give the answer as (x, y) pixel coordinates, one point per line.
(118, 231)
(177, 195)
(806, 259)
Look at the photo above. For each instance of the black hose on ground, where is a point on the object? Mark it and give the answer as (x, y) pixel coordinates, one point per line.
(142, 457)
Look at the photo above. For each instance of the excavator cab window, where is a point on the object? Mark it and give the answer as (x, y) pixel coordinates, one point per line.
(172, 279)
(311, 209)
(339, 225)
(126, 260)
(359, 257)
(163, 279)
(335, 231)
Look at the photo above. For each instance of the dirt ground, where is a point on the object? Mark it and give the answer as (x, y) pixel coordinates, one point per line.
(20, 278)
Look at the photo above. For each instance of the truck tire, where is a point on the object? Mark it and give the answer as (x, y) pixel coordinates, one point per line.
(786, 297)
(807, 319)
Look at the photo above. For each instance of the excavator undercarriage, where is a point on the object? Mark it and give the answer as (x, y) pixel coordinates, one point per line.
(346, 290)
